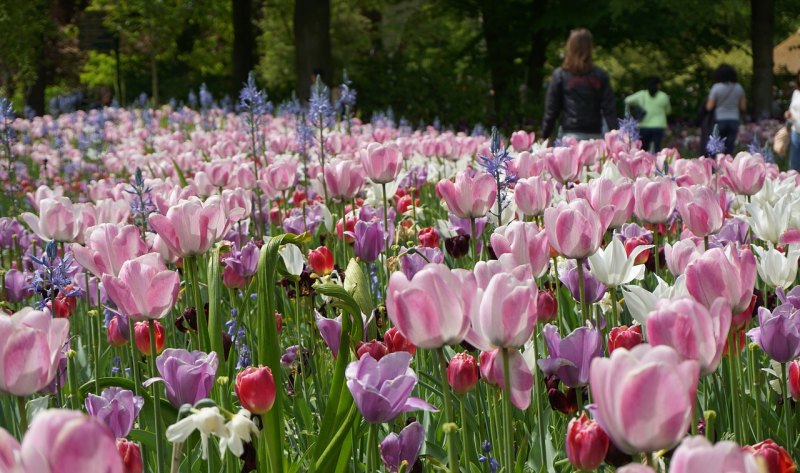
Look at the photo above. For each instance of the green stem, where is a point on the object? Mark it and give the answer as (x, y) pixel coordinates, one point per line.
(582, 292)
(371, 460)
(156, 397)
(537, 401)
(508, 431)
(452, 457)
(72, 374)
(386, 229)
(787, 408)
(734, 386)
(464, 448)
(474, 240)
(23, 416)
(344, 237)
(202, 324)
(754, 391)
(134, 362)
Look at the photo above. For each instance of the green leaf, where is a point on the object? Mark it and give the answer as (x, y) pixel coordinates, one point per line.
(181, 177)
(214, 316)
(356, 283)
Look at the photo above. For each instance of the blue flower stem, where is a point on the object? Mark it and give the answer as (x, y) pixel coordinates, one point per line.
(322, 156)
(449, 427)
(156, 397)
(508, 431)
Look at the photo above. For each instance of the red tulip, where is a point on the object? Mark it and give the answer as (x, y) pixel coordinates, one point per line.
(141, 334)
(255, 388)
(546, 306)
(374, 348)
(131, 456)
(63, 305)
(396, 341)
(462, 372)
(586, 443)
(115, 334)
(632, 243)
(321, 260)
(794, 379)
(775, 457)
(429, 237)
(624, 337)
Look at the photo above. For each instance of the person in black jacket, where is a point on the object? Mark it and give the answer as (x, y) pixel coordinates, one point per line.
(580, 92)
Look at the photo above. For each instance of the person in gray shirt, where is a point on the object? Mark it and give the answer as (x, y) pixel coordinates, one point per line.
(727, 101)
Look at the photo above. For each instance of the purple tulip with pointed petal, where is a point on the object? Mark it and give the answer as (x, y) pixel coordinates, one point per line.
(116, 407)
(403, 447)
(571, 357)
(188, 376)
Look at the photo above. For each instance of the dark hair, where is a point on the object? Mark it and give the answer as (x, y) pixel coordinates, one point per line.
(652, 85)
(578, 54)
(725, 73)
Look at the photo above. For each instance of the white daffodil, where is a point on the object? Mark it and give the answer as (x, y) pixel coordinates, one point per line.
(239, 430)
(614, 267)
(640, 302)
(775, 268)
(293, 259)
(207, 421)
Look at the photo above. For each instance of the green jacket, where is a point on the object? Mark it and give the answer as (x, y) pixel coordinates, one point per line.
(657, 108)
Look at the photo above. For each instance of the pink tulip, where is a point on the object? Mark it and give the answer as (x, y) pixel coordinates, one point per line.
(145, 289)
(690, 172)
(112, 211)
(435, 307)
(639, 164)
(506, 315)
(58, 220)
(528, 165)
(191, 227)
(43, 192)
(602, 192)
(696, 454)
(30, 350)
(382, 163)
(643, 398)
(219, 172)
(729, 273)
(280, 176)
(470, 196)
(576, 230)
(654, 199)
(238, 204)
(108, 246)
(9, 453)
(520, 376)
(533, 195)
(564, 163)
(344, 178)
(744, 175)
(525, 243)
(700, 209)
(683, 252)
(61, 440)
(522, 140)
(695, 332)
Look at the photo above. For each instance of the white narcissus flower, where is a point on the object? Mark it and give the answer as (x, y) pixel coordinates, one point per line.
(614, 267)
(207, 421)
(293, 259)
(240, 429)
(775, 268)
(640, 302)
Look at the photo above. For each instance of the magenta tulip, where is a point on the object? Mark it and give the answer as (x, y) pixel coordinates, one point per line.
(145, 289)
(695, 332)
(9, 453)
(654, 199)
(586, 443)
(576, 230)
(30, 350)
(729, 273)
(108, 246)
(191, 227)
(744, 175)
(382, 163)
(700, 210)
(643, 398)
(435, 307)
(469, 196)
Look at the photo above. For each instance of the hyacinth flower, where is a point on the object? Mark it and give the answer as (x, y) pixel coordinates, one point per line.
(53, 276)
(117, 407)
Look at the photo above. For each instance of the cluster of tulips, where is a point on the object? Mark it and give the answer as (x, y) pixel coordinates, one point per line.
(304, 292)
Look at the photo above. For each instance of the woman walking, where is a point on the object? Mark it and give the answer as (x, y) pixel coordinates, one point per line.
(726, 100)
(655, 105)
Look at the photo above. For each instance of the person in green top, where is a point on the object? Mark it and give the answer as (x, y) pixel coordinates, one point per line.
(656, 107)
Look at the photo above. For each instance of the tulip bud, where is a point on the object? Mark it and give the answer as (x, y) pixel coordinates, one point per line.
(278, 322)
(631, 244)
(586, 443)
(457, 246)
(546, 306)
(131, 456)
(624, 337)
(775, 457)
(321, 260)
(396, 341)
(462, 372)
(375, 349)
(429, 237)
(298, 197)
(116, 335)
(349, 226)
(141, 333)
(255, 388)
(794, 379)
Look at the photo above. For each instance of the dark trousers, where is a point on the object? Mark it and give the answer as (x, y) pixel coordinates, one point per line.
(729, 130)
(651, 135)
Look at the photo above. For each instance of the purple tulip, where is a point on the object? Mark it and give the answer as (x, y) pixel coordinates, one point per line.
(296, 222)
(631, 230)
(369, 214)
(331, 331)
(244, 262)
(382, 389)
(734, 230)
(116, 407)
(10, 227)
(405, 447)
(792, 297)
(778, 332)
(17, 287)
(412, 263)
(593, 289)
(188, 376)
(463, 226)
(571, 357)
(370, 240)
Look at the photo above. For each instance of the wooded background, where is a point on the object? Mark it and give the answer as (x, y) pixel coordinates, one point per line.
(459, 61)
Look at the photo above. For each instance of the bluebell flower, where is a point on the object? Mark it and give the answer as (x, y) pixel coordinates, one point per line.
(630, 127)
(53, 275)
(755, 148)
(716, 144)
(497, 166)
(347, 95)
(320, 110)
(142, 205)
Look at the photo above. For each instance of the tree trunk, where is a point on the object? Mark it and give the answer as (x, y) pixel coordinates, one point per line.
(244, 43)
(154, 78)
(536, 60)
(762, 34)
(312, 40)
(500, 49)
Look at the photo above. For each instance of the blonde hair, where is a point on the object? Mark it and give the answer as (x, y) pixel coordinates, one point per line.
(578, 54)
